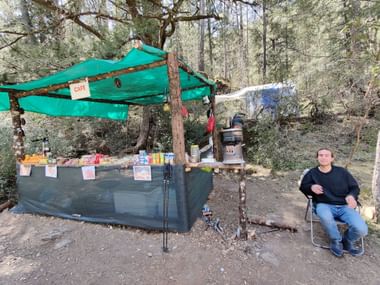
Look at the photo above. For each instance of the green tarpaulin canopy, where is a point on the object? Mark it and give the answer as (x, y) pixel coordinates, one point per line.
(139, 78)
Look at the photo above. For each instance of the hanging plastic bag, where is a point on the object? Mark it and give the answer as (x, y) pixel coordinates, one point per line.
(184, 112)
(210, 123)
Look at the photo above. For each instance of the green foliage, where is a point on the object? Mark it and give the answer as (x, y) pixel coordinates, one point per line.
(267, 145)
(329, 49)
(194, 126)
(7, 165)
(369, 136)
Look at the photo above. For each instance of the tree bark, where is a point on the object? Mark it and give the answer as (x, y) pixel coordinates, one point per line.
(149, 36)
(242, 61)
(215, 135)
(225, 68)
(18, 133)
(269, 223)
(27, 21)
(6, 205)
(144, 130)
(265, 26)
(201, 59)
(210, 48)
(176, 107)
(376, 180)
(243, 204)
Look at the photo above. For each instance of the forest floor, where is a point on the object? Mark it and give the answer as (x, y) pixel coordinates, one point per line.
(48, 250)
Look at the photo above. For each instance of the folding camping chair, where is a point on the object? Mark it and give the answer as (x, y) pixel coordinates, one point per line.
(311, 216)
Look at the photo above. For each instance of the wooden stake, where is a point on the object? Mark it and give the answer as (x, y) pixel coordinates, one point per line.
(18, 133)
(176, 107)
(376, 180)
(215, 135)
(243, 205)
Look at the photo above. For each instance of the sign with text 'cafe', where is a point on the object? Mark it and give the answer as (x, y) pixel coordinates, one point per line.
(80, 90)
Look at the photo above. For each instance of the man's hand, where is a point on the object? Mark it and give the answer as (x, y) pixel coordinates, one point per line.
(351, 202)
(317, 189)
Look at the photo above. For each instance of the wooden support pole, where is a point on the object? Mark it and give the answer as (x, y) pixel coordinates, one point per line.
(242, 204)
(215, 135)
(376, 180)
(18, 133)
(176, 107)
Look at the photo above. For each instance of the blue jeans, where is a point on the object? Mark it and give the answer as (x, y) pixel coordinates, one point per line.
(327, 213)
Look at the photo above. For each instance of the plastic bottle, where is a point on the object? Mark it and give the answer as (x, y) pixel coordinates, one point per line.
(195, 153)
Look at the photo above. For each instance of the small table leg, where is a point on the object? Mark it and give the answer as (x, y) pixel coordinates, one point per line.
(242, 205)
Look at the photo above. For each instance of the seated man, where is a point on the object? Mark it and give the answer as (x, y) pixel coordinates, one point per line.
(335, 194)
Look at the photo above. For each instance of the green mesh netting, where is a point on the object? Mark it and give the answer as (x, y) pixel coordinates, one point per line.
(145, 87)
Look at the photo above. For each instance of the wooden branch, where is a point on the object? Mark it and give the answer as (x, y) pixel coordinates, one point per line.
(269, 223)
(187, 69)
(196, 17)
(359, 127)
(14, 33)
(6, 205)
(45, 90)
(215, 165)
(128, 101)
(12, 42)
(45, 30)
(132, 5)
(101, 15)
(253, 3)
(107, 101)
(75, 18)
(217, 144)
(118, 6)
(376, 180)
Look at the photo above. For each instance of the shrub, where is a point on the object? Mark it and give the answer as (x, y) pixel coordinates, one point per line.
(267, 145)
(7, 166)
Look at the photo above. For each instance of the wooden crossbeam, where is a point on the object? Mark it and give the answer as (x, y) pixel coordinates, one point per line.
(46, 90)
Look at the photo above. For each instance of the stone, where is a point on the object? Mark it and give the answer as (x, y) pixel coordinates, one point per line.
(270, 258)
(62, 243)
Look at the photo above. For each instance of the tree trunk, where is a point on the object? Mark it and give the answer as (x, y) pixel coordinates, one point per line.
(354, 31)
(27, 21)
(376, 180)
(210, 49)
(225, 71)
(201, 57)
(242, 62)
(265, 24)
(246, 49)
(176, 107)
(144, 130)
(148, 31)
(18, 133)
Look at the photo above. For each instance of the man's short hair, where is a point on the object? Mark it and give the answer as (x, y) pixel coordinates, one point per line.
(325, 148)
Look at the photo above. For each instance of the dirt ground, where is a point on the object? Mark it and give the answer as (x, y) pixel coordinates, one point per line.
(47, 250)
